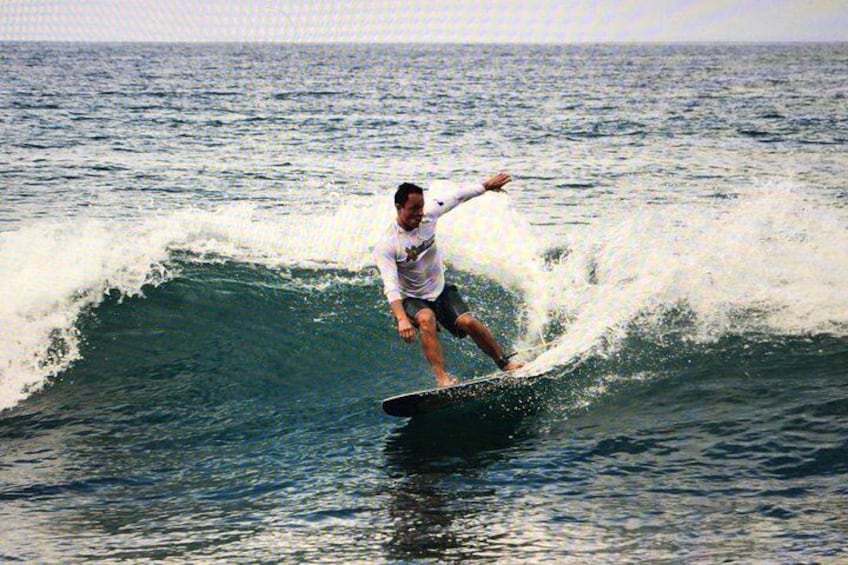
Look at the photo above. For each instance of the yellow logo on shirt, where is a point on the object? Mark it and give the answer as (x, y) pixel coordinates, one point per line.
(415, 251)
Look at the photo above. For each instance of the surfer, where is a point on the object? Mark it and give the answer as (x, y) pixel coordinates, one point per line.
(412, 268)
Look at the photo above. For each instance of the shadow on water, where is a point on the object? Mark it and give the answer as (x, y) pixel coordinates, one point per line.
(438, 464)
(467, 436)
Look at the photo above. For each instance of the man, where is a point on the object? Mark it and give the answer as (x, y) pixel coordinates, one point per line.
(412, 269)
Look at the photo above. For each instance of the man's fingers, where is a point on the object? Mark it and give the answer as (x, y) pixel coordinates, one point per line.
(497, 182)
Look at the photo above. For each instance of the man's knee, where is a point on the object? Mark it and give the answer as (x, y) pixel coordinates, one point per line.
(426, 320)
(466, 322)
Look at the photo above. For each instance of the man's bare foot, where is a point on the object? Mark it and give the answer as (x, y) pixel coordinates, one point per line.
(513, 365)
(448, 380)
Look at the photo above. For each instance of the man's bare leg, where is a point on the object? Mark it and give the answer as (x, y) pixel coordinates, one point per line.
(426, 320)
(484, 339)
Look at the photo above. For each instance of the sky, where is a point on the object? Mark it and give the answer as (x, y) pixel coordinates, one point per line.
(480, 21)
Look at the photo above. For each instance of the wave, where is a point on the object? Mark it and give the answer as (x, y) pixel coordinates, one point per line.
(770, 261)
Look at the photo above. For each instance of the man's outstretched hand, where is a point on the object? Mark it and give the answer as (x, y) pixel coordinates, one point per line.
(497, 182)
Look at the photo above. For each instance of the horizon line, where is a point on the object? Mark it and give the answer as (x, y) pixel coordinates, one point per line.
(416, 43)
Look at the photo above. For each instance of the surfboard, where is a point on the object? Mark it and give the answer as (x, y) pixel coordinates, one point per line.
(425, 401)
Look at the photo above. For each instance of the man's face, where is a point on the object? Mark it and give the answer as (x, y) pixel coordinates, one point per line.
(410, 214)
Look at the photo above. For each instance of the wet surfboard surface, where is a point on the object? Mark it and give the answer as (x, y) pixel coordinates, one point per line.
(429, 400)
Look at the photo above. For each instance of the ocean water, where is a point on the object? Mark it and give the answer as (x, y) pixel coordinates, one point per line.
(194, 341)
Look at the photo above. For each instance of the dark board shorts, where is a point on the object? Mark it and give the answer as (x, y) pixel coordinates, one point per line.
(447, 307)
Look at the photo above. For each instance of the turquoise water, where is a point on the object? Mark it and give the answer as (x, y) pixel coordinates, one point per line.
(195, 342)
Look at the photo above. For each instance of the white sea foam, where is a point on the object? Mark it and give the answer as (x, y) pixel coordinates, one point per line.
(51, 271)
(770, 260)
(767, 261)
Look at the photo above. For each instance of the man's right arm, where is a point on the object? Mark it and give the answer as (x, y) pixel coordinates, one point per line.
(405, 328)
(385, 260)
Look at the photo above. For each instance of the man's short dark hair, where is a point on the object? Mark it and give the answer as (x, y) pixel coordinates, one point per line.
(404, 191)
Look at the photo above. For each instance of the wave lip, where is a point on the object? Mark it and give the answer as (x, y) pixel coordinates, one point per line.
(50, 272)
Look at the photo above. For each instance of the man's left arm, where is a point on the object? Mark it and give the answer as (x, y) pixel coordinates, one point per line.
(440, 206)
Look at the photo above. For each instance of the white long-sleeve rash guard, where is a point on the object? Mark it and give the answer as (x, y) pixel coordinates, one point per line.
(410, 262)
